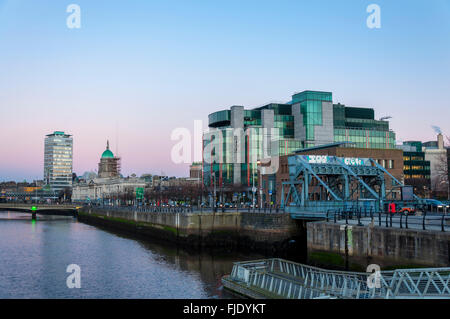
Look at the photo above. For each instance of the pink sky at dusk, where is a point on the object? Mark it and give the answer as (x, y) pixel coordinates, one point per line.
(151, 67)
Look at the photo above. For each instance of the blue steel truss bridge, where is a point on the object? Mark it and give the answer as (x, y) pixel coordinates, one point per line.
(319, 184)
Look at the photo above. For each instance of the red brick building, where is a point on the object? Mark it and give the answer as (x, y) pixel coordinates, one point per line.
(390, 159)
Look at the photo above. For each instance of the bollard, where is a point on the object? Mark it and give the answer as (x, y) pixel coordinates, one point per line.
(387, 217)
(33, 216)
(401, 219)
(442, 222)
(390, 219)
(406, 222)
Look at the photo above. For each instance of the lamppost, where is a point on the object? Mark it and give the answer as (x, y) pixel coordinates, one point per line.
(254, 188)
(214, 199)
(260, 185)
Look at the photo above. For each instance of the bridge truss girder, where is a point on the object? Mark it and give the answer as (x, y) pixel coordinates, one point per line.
(335, 182)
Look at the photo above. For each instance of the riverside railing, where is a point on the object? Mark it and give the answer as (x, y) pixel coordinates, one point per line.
(425, 221)
(278, 278)
(182, 209)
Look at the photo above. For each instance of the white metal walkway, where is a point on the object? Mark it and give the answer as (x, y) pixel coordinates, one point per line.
(278, 278)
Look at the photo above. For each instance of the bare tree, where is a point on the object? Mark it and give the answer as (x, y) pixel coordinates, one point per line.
(442, 179)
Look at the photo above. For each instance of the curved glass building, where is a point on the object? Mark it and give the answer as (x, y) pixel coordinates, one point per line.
(238, 139)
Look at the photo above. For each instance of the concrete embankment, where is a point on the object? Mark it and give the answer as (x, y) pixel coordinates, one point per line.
(323, 244)
(274, 234)
(356, 247)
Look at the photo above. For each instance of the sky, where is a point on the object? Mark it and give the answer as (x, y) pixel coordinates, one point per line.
(136, 70)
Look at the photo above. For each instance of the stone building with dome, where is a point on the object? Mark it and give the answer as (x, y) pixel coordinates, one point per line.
(109, 166)
(108, 187)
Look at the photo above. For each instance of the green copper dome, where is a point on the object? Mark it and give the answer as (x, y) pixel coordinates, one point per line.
(107, 153)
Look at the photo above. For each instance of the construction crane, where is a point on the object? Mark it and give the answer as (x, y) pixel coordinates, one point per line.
(385, 118)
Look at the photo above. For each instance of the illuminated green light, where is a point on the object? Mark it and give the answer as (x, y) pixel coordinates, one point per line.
(33, 208)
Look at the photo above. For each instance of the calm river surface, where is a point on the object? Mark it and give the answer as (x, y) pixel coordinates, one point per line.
(34, 257)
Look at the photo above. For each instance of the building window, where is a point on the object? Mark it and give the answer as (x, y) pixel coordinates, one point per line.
(391, 164)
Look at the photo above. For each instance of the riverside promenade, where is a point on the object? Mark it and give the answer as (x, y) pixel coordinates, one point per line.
(321, 243)
(269, 233)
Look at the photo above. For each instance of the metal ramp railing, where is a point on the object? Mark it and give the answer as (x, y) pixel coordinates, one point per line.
(278, 278)
(418, 283)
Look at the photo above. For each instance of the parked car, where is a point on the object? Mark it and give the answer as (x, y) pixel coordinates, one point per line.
(433, 205)
(230, 205)
(407, 210)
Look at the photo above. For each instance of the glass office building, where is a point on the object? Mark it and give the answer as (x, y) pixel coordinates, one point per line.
(230, 166)
(358, 125)
(414, 163)
(416, 169)
(309, 119)
(58, 161)
(315, 116)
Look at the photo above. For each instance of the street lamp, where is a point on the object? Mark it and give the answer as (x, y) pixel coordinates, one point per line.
(214, 199)
(254, 188)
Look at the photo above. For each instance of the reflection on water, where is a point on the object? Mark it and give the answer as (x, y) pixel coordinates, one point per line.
(25, 216)
(34, 257)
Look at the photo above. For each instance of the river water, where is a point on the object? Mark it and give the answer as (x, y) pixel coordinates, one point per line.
(34, 256)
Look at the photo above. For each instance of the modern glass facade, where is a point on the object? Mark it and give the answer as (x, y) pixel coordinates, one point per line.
(219, 119)
(223, 169)
(58, 161)
(312, 96)
(358, 125)
(309, 119)
(311, 108)
(414, 164)
(416, 170)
